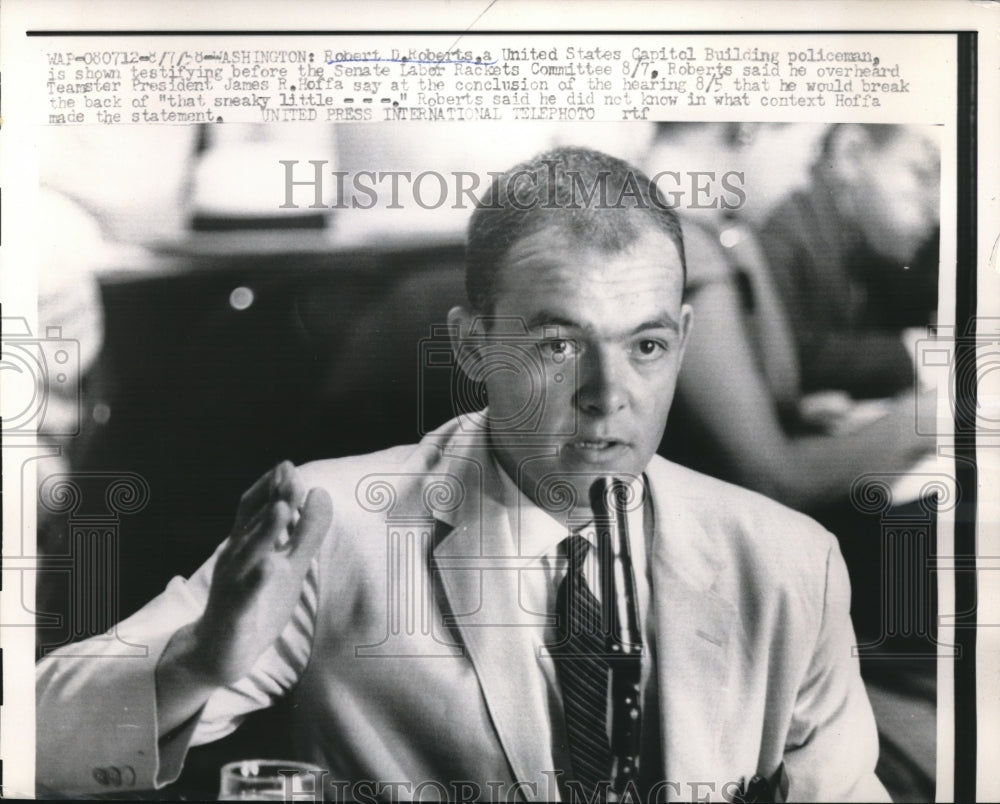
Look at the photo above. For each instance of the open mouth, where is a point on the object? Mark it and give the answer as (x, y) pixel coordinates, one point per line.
(596, 448)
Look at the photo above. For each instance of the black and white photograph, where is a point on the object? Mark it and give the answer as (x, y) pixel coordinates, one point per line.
(579, 417)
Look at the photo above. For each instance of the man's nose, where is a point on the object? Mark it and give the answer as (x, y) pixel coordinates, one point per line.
(603, 387)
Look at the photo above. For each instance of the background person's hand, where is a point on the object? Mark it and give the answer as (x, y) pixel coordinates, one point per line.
(825, 411)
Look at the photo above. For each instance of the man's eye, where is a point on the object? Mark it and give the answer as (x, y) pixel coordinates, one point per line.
(558, 347)
(648, 349)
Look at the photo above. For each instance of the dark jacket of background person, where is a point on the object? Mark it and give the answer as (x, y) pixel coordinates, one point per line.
(736, 415)
(846, 304)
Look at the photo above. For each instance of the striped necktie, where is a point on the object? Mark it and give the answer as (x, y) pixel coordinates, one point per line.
(582, 668)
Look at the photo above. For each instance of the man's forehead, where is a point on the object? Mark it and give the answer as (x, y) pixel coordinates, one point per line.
(555, 259)
(548, 282)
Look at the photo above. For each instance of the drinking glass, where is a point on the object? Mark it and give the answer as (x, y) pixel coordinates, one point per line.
(271, 780)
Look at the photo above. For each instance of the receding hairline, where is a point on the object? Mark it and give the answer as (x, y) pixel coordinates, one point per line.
(561, 235)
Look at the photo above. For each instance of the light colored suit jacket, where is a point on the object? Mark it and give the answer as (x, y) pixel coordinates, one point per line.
(418, 669)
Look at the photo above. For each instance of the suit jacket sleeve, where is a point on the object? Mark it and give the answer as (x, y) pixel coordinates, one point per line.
(832, 745)
(96, 720)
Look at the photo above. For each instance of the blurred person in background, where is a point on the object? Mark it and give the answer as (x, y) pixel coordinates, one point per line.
(743, 411)
(740, 412)
(853, 257)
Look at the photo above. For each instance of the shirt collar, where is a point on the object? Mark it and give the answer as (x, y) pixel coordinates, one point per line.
(536, 532)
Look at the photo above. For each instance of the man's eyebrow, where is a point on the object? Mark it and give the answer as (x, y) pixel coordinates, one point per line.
(664, 322)
(544, 318)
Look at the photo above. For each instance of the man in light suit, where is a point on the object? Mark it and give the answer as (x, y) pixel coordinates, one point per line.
(407, 600)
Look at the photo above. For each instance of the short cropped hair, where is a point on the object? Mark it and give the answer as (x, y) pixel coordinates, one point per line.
(598, 200)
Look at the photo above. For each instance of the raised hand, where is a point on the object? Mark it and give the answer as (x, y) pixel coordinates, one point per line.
(256, 584)
(258, 576)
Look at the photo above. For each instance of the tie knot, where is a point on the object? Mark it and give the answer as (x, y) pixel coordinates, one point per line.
(576, 547)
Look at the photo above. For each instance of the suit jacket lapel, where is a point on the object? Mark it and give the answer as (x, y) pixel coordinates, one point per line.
(476, 563)
(695, 632)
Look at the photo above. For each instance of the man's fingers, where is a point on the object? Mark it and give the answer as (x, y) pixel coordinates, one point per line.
(313, 525)
(292, 487)
(257, 496)
(282, 482)
(278, 526)
(268, 531)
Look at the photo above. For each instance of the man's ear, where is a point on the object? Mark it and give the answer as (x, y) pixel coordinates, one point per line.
(687, 320)
(460, 321)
